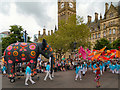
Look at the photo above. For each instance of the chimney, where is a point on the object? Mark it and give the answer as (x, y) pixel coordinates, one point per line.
(89, 19)
(100, 16)
(106, 7)
(51, 32)
(48, 32)
(96, 16)
(44, 31)
(38, 33)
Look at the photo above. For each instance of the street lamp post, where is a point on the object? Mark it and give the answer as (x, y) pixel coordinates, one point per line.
(25, 36)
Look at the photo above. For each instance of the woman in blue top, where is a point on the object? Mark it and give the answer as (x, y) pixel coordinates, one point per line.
(94, 66)
(101, 68)
(28, 74)
(113, 68)
(48, 72)
(4, 70)
(78, 72)
(103, 64)
(118, 68)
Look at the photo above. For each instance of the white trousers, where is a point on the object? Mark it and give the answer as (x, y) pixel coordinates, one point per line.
(84, 70)
(48, 73)
(28, 77)
(4, 72)
(101, 72)
(78, 74)
(103, 69)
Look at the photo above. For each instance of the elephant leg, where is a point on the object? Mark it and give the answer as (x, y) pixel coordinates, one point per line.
(35, 70)
(32, 67)
(11, 69)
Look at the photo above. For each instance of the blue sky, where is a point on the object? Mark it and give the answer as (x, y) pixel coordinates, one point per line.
(33, 15)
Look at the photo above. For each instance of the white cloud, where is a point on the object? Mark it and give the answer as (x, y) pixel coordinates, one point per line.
(33, 16)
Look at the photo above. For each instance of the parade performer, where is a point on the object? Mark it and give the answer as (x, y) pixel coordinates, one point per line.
(48, 72)
(4, 70)
(28, 74)
(118, 69)
(78, 72)
(103, 64)
(101, 68)
(83, 68)
(113, 68)
(97, 78)
(94, 66)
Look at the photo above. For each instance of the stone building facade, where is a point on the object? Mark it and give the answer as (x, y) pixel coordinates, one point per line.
(107, 27)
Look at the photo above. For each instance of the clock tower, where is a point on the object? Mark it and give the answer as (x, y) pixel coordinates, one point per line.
(66, 8)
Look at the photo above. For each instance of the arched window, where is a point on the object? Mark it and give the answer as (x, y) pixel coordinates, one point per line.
(114, 31)
(110, 31)
(104, 33)
(96, 35)
(99, 35)
(104, 26)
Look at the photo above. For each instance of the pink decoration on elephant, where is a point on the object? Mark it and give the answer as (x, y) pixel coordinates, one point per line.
(10, 61)
(9, 48)
(31, 61)
(32, 47)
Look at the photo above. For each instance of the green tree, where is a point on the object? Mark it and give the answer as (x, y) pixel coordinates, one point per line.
(16, 35)
(71, 31)
(116, 44)
(102, 43)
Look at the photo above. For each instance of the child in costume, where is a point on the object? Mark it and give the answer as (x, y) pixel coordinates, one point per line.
(94, 66)
(4, 70)
(48, 72)
(83, 69)
(103, 64)
(78, 72)
(28, 74)
(113, 68)
(118, 69)
(101, 68)
(97, 78)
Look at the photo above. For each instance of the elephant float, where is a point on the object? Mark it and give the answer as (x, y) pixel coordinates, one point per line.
(26, 52)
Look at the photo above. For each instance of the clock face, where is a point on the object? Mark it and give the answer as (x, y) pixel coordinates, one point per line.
(70, 5)
(62, 5)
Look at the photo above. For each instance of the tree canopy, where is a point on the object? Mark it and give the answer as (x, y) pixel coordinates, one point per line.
(16, 35)
(69, 32)
(102, 43)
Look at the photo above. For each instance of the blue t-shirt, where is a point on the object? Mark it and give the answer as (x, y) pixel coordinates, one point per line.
(4, 68)
(28, 70)
(118, 67)
(101, 67)
(77, 69)
(113, 67)
(110, 66)
(47, 67)
(103, 64)
(108, 62)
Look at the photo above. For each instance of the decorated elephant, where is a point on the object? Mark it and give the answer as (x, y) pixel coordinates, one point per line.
(26, 52)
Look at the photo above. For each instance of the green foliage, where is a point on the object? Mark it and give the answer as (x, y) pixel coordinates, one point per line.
(70, 31)
(16, 35)
(116, 44)
(102, 43)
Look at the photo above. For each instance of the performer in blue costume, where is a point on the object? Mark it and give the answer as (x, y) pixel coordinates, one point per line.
(28, 74)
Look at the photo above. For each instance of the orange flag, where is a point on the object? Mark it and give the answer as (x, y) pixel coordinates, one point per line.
(96, 56)
(118, 53)
(91, 54)
(101, 50)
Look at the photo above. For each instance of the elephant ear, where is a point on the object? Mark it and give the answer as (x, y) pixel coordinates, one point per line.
(44, 43)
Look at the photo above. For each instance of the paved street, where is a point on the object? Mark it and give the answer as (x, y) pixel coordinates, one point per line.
(65, 80)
